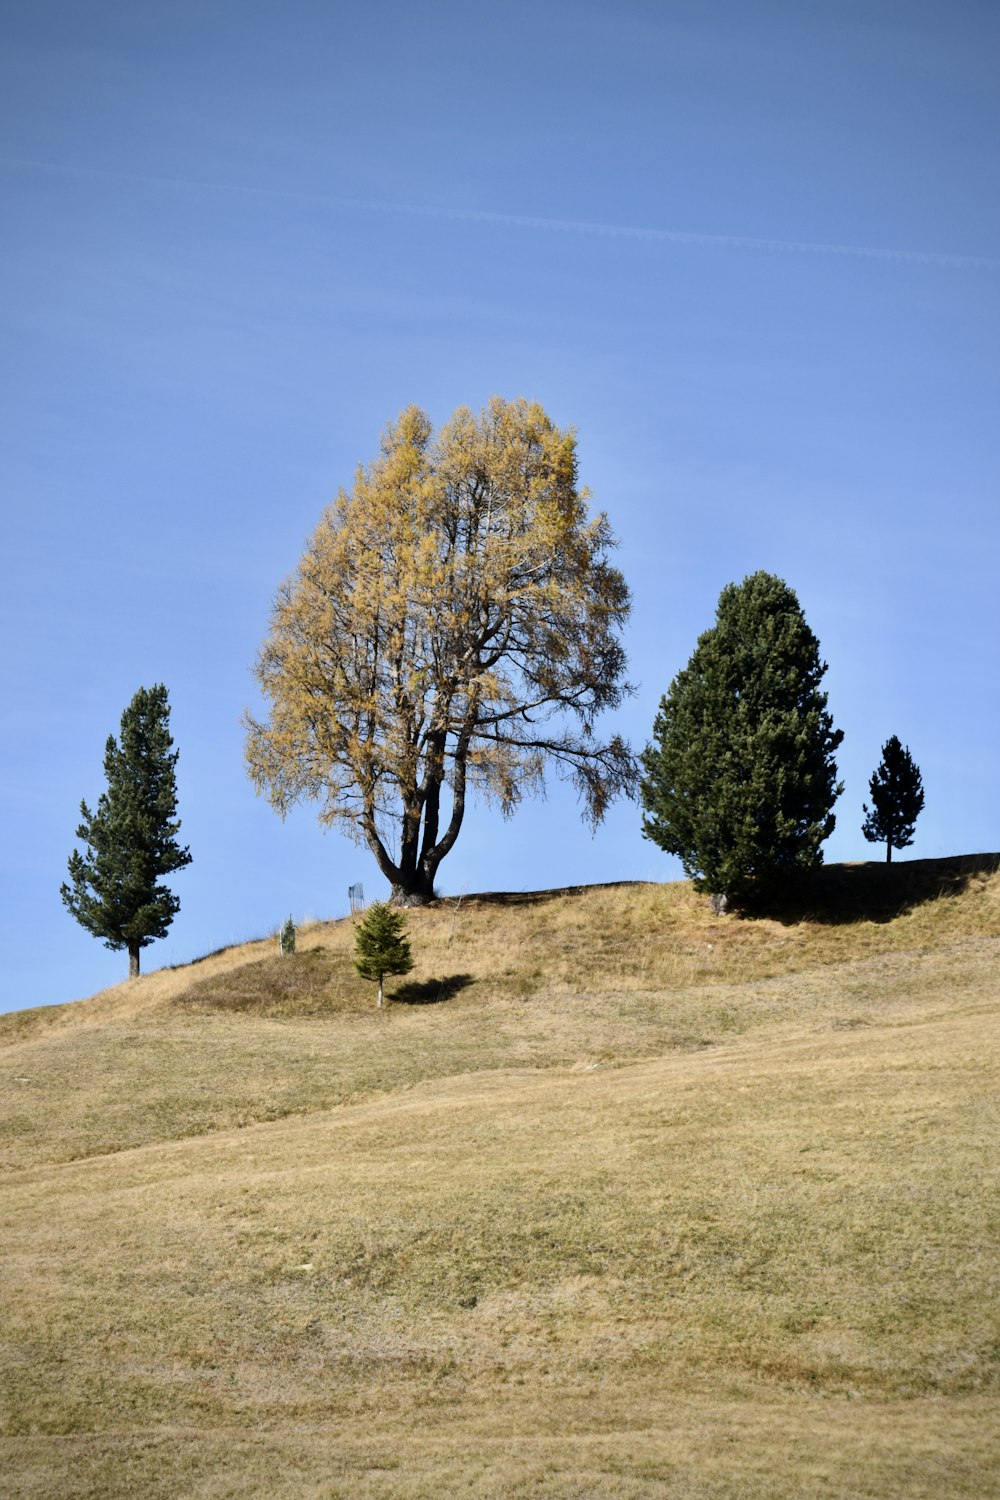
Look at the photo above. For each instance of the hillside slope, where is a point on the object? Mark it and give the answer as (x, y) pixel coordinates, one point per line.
(616, 1198)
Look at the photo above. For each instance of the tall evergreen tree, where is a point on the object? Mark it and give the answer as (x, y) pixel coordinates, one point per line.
(897, 795)
(381, 946)
(131, 838)
(740, 779)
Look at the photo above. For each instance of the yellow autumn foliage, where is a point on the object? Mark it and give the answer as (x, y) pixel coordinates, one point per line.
(453, 624)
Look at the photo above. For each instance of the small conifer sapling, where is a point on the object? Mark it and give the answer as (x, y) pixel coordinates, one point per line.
(381, 946)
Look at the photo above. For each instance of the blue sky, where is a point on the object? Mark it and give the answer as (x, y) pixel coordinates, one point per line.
(751, 252)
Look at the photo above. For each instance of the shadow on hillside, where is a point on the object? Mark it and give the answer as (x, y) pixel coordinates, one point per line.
(538, 898)
(430, 991)
(873, 891)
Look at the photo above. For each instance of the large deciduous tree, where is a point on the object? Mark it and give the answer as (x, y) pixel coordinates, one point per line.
(115, 890)
(897, 794)
(740, 779)
(453, 625)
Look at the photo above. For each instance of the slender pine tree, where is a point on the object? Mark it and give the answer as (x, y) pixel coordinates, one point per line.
(740, 779)
(286, 938)
(381, 946)
(114, 890)
(897, 795)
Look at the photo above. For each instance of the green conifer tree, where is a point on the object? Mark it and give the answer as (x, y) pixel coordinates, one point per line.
(897, 795)
(114, 890)
(740, 780)
(381, 946)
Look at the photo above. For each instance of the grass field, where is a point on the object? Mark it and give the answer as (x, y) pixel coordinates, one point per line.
(614, 1198)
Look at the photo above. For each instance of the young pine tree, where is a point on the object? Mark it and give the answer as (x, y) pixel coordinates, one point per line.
(381, 946)
(740, 779)
(114, 890)
(897, 795)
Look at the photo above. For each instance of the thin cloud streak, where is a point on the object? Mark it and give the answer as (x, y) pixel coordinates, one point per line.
(489, 217)
(693, 237)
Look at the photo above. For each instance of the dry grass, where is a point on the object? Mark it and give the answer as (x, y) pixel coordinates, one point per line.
(720, 1224)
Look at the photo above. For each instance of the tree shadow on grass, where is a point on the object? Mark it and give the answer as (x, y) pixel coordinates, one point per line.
(536, 898)
(430, 991)
(874, 891)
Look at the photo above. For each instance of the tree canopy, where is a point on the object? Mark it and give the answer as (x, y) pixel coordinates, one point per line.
(114, 890)
(897, 794)
(740, 779)
(453, 625)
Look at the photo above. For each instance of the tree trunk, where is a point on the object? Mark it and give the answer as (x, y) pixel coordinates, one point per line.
(409, 879)
(133, 962)
(432, 795)
(888, 851)
(416, 892)
(412, 879)
(380, 992)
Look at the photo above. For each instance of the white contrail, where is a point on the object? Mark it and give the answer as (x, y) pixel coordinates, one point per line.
(953, 261)
(688, 236)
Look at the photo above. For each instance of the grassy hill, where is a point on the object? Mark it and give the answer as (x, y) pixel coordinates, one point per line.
(615, 1198)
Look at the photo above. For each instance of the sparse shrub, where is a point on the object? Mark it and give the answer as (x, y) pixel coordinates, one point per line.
(286, 938)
